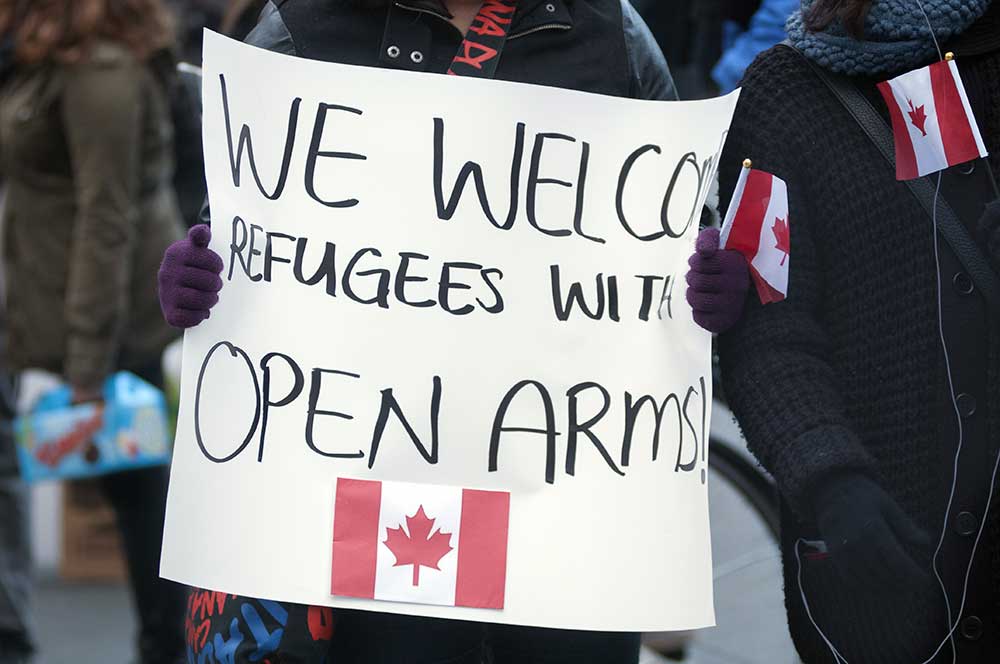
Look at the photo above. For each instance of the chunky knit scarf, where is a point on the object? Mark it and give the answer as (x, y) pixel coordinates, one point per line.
(896, 35)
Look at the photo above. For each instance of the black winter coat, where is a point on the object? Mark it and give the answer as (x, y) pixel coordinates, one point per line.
(598, 46)
(848, 373)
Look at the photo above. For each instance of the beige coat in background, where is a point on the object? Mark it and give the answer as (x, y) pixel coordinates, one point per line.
(86, 154)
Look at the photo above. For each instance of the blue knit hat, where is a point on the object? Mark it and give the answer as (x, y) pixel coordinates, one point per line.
(896, 37)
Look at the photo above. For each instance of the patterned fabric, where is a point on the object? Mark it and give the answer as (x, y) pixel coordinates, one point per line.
(897, 37)
(226, 629)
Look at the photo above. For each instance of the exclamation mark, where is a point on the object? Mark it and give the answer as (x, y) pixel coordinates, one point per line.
(704, 430)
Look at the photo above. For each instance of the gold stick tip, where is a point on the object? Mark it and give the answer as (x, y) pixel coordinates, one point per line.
(949, 56)
(747, 163)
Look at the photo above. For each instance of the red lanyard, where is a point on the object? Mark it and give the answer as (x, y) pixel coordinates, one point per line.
(479, 54)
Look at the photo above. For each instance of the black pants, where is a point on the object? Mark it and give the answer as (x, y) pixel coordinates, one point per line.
(16, 631)
(139, 499)
(16, 634)
(225, 629)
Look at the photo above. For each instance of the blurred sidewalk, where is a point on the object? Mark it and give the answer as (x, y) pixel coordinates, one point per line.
(92, 624)
(83, 624)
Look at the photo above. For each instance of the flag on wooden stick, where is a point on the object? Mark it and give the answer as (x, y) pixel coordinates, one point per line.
(932, 121)
(756, 225)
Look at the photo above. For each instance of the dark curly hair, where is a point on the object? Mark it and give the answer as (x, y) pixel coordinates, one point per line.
(65, 30)
(851, 13)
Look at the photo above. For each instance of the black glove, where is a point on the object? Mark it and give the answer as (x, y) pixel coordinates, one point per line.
(872, 542)
(988, 230)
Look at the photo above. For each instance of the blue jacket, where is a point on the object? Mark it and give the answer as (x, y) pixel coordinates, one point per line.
(767, 28)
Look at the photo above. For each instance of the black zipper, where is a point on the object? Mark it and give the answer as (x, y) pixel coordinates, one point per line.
(539, 28)
(429, 12)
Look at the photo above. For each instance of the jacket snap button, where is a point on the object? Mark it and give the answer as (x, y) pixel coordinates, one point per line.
(550, 8)
(972, 628)
(966, 404)
(966, 524)
(963, 283)
(417, 57)
(392, 52)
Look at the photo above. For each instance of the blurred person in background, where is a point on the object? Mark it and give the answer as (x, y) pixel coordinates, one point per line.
(86, 151)
(238, 19)
(234, 19)
(742, 43)
(691, 35)
(191, 18)
(710, 43)
(241, 17)
(16, 638)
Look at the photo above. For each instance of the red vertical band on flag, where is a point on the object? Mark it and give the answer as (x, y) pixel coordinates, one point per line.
(355, 537)
(482, 549)
(768, 294)
(956, 129)
(744, 235)
(906, 158)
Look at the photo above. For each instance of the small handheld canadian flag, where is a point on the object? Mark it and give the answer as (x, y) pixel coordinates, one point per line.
(932, 122)
(756, 225)
(420, 543)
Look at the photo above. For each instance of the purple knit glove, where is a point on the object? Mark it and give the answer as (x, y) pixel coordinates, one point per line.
(717, 283)
(189, 279)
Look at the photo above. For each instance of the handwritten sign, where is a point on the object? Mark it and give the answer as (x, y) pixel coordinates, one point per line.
(450, 285)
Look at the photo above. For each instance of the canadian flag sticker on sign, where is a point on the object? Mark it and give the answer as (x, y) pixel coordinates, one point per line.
(420, 543)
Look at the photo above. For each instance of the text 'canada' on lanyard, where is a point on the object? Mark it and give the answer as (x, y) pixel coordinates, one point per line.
(479, 54)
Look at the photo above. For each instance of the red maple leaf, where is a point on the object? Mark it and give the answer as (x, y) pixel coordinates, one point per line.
(917, 117)
(419, 547)
(781, 235)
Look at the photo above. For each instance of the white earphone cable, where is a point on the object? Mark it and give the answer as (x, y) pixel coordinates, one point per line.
(953, 619)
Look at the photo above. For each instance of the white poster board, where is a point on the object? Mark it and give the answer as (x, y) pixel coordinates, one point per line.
(504, 386)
